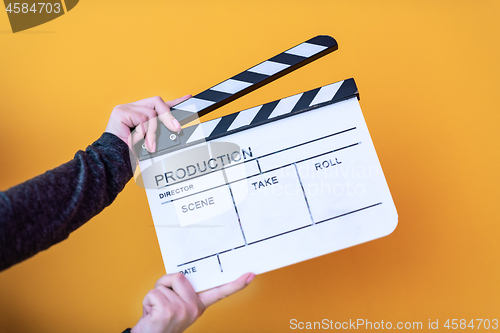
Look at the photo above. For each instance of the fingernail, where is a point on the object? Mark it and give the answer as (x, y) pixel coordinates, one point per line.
(176, 124)
(250, 278)
(151, 146)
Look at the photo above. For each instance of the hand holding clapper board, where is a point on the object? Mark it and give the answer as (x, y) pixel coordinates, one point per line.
(252, 191)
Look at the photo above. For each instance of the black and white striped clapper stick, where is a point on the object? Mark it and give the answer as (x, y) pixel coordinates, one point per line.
(253, 78)
(243, 83)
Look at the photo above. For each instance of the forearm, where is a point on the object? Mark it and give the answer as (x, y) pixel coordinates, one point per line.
(46, 209)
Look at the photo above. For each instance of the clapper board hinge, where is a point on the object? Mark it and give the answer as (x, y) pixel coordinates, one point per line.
(262, 114)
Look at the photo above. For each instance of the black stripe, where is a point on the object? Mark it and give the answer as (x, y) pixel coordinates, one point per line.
(212, 95)
(351, 212)
(305, 100)
(324, 41)
(250, 77)
(264, 112)
(347, 89)
(224, 124)
(289, 59)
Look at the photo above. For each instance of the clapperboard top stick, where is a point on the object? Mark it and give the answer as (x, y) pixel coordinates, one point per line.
(240, 85)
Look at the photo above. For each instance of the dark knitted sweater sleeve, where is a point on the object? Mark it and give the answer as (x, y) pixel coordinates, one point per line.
(46, 209)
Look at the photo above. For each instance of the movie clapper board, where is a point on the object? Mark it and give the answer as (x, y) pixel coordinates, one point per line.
(269, 186)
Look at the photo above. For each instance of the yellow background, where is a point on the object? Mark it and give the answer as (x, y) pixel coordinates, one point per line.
(428, 75)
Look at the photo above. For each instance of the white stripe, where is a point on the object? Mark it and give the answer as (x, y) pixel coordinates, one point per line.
(203, 130)
(285, 105)
(268, 68)
(326, 93)
(306, 49)
(193, 104)
(244, 118)
(231, 86)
